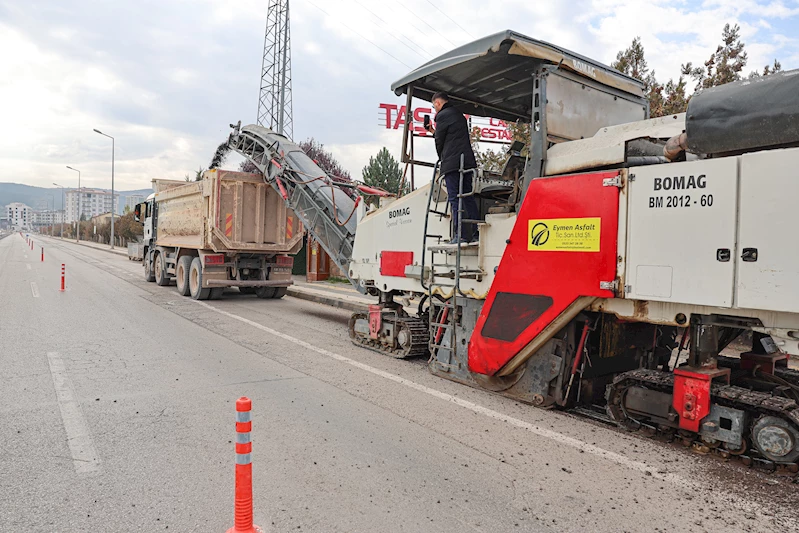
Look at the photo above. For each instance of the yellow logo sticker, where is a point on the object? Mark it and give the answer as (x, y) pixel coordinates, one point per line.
(564, 234)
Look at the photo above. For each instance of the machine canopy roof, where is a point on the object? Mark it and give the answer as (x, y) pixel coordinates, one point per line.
(493, 76)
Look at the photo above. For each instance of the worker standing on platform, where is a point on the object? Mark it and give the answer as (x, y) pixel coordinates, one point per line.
(452, 142)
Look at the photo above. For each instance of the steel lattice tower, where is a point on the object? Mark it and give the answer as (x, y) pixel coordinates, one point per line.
(274, 101)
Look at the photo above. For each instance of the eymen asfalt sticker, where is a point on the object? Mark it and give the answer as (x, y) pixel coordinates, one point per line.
(564, 234)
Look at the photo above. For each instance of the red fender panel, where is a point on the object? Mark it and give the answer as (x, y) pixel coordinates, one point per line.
(562, 246)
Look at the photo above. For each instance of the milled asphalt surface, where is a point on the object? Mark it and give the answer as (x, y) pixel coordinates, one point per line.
(344, 439)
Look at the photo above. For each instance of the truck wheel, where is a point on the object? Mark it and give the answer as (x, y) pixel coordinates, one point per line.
(182, 275)
(247, 290)
(280, 292)
(216, 293)
(148, 270)
(265, 292)
(160, 270)
(196, 281)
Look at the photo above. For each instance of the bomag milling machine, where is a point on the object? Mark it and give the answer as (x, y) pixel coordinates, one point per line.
(618, 255)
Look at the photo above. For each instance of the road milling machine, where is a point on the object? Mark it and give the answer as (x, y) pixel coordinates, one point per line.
(618, 255)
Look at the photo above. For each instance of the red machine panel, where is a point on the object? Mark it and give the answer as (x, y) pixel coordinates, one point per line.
(394, 263)
(562, 246)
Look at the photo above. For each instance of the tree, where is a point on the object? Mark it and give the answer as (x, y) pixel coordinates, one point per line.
(249, 167)
(768, 69)
(725, 64)
(324, 159)
(198, 175)
(328, 163)
(663, 100)
(494, 160)
(383, 171)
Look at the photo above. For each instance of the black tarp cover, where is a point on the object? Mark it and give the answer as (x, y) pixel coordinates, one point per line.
(747, 114)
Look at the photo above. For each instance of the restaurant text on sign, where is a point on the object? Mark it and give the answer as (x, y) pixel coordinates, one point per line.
(393, 117)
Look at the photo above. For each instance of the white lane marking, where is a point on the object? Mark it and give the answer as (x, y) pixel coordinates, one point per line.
(28, 265)
(34, 289)
(26, 256)
(496, 415)
(81, 446)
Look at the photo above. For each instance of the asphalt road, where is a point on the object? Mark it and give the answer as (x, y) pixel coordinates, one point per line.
(117, 414)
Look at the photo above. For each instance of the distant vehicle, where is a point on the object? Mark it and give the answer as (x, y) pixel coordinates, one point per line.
(231, 229)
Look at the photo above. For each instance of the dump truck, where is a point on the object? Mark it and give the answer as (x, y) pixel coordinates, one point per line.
(619, 255)
(230, 229)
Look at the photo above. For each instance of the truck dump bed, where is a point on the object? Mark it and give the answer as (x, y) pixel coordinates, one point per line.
(225, 212)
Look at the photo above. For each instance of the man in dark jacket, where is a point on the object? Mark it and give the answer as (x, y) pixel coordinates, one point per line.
(452, 143)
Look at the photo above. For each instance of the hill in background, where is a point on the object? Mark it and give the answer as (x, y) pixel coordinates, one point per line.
(41, 198)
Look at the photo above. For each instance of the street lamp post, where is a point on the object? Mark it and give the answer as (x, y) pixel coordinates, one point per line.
(52, 216)
(79, 202)
(113, 207)
(63, 208)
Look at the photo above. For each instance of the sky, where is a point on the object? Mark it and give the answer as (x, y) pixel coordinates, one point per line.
(167, 77)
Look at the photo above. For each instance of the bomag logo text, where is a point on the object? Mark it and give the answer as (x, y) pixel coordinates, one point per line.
(394, 213)
(679, 183)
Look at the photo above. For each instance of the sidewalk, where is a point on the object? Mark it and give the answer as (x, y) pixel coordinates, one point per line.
(104, 247)
(340, 295)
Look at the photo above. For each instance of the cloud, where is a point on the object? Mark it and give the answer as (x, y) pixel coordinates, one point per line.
(166, 78)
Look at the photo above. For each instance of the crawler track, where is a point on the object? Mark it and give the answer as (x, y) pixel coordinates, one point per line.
(756, 404)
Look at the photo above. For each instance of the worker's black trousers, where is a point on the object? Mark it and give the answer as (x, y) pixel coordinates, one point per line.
(452, 180)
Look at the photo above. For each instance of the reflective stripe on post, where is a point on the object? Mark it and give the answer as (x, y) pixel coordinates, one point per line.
(243, 508)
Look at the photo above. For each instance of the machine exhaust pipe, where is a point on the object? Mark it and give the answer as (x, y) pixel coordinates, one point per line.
(675, 146)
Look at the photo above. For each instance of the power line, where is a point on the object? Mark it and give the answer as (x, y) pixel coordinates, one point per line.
(362, 36)
(425, 23)
(395, 37)
(410, 21)
(450, 18)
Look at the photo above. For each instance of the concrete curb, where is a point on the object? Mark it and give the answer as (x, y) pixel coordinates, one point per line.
(332, 301)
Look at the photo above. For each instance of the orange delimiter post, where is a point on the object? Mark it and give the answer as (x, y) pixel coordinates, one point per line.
(243, 515)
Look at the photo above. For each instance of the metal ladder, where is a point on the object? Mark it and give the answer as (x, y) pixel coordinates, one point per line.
(445, 323)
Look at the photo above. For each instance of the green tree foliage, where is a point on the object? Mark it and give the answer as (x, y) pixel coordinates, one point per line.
(663, 99)
(383, 171)
(494, 160)
(198, 175)
(725, 64)
(768, 69)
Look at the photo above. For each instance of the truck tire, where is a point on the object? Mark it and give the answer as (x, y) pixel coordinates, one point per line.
(159, 270)
(265, 292)
(182, 275)
(280, 292)
(148, 270)
(196, 281)
(216, 293)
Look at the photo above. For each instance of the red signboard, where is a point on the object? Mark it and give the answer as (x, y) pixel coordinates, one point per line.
(392, 116)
